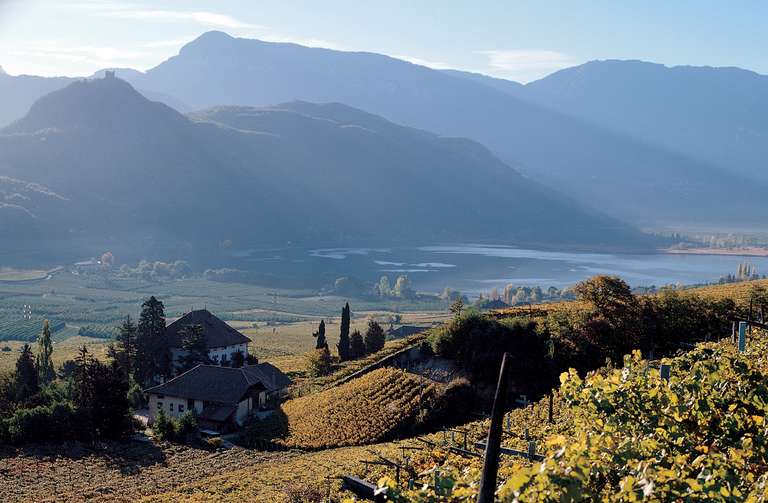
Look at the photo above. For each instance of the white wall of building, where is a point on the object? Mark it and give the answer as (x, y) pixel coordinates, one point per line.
(227, 352)
(171, 405)
(215, 354)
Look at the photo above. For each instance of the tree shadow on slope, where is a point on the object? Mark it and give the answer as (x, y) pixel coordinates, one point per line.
(263, 433)
(128, 457)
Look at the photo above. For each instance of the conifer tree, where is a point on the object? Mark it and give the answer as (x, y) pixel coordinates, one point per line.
(374, 337)
(343, 345)
(101, 396)
(356, 345)
(152, 352)
(44, 364)
(193, 343)
(25, 379)
(320, 336)
(124, 352)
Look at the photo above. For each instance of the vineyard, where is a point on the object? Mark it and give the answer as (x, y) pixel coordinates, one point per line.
(370, 409)
(18, 329)
(628, 435)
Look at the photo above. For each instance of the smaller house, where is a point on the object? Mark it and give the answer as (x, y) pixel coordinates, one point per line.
(222, 340)
(222, 397)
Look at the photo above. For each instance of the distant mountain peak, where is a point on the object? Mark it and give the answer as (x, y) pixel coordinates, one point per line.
(100, 104)
(209, 40)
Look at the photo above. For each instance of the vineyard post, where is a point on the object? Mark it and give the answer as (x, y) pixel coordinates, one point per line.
(493, 443)
(733, 332)
(742, 336)
(550, 418)
(531, 449)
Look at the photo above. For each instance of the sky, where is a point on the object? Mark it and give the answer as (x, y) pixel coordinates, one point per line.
(517, 40)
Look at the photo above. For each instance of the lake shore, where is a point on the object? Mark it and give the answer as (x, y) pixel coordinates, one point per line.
(744, 251)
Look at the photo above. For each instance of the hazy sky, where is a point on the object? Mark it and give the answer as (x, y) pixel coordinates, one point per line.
(519, 40)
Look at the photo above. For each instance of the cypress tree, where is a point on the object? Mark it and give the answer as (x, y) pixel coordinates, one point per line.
(344, 344)
(44, 364)
(152, 352)
(320, 336)
(374, 337)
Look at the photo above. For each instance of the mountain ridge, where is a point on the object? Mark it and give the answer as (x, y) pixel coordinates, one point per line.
(298, 172)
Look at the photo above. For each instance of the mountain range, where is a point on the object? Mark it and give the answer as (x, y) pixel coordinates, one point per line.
(652, 145)
(102, 161)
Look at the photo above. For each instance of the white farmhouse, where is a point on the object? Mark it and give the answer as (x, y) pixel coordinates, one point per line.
(222, 398)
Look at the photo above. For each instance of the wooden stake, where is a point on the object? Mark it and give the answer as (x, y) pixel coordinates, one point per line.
(550, 417)
(742, 336)
(493, 444)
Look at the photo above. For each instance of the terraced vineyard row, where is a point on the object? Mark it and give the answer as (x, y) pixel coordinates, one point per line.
(369, 409)
(18, 329)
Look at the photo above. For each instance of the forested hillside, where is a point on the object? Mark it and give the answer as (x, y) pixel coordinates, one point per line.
(134, 172)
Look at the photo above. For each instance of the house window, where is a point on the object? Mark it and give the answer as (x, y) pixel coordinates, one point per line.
(159, 405)
(181, 407)
(170, 406)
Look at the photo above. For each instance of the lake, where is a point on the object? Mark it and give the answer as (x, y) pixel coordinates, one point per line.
(476, 268)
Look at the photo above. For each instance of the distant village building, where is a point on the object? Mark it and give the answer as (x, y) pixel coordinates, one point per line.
(221, 397)
(221, 340)
(404, 331)
(91, 266)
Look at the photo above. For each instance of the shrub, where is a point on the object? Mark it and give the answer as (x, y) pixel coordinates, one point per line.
(136, 396)
(181, 430)
(478, 343)
(41, 424)
(319, 362)
(186, 427)
(215, 442)
(163, 427)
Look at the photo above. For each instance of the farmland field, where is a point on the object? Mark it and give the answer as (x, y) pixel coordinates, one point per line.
(21, 275)
(62, 351)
